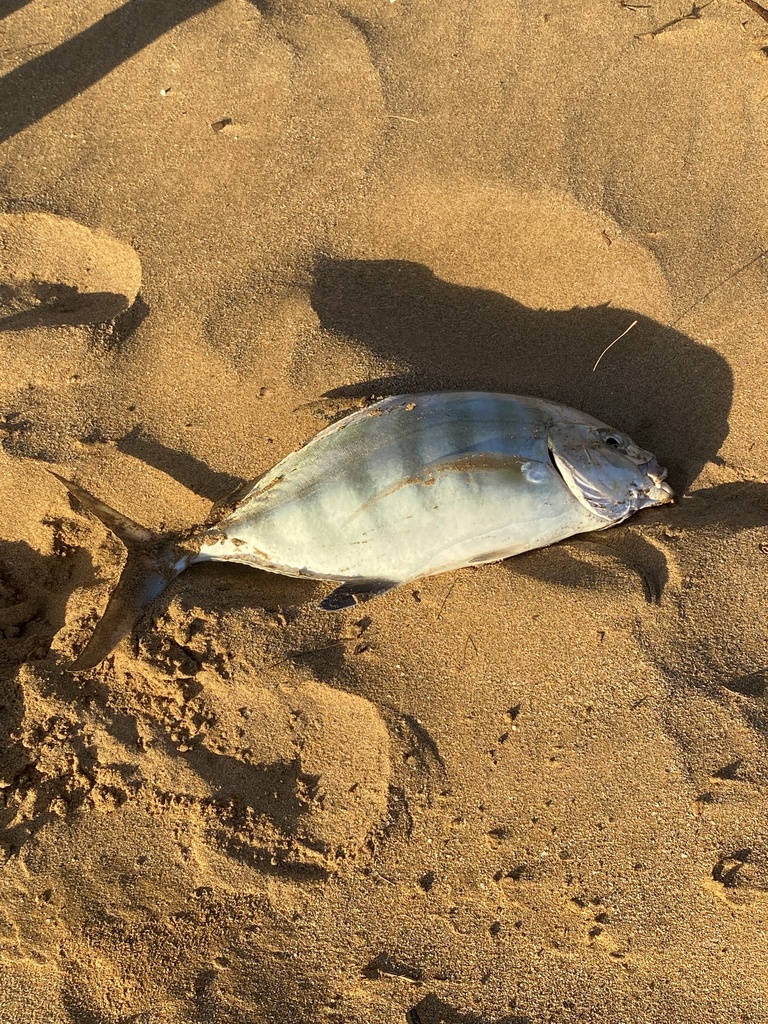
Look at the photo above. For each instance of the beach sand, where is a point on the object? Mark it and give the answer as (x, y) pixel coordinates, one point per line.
(530, 792)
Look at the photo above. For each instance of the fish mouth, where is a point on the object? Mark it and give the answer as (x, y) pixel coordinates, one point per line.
(661, 493)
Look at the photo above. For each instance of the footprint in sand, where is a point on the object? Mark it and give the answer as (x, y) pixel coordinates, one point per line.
(285, 777)
(299, 772)
(740, 876)
(54, 271)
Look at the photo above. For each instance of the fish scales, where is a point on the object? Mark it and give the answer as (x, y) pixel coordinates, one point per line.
(412, 486)
(355, 501)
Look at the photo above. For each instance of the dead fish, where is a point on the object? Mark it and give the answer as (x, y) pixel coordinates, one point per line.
(412, 486)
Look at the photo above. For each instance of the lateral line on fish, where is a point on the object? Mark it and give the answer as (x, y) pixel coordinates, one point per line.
(463, 461)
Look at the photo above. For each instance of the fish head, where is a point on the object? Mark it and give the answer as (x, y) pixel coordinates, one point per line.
(605, 470)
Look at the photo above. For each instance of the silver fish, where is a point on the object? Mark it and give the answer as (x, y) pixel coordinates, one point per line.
(409, 487)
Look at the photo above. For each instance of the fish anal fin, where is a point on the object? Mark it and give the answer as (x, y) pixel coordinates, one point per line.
(357, 592)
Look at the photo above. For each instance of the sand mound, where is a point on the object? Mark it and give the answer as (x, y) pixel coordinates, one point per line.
(54, 271)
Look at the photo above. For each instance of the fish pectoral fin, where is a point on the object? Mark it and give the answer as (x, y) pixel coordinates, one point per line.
(350, 594)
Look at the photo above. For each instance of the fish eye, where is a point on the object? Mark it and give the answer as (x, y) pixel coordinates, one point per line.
(612, 441)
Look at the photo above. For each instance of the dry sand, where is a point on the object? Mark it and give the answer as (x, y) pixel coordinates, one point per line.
(531, 792)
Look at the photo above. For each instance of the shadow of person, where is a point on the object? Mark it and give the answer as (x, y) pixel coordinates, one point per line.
(8, 7)
(671, 394)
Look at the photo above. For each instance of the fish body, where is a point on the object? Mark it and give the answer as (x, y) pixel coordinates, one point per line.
(409, 487)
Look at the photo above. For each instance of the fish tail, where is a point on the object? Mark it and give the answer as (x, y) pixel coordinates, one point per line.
(153, 561)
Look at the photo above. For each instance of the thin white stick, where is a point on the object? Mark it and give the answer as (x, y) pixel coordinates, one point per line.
(633, 324)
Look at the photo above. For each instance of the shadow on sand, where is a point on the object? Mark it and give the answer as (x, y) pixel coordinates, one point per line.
(671, 394)
(34, 590)
(47, 82)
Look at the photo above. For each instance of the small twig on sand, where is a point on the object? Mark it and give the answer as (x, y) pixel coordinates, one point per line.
(734, 274)
(445, 599)
(639, 703)
(470, 640)
(757, 8)
(695, 12)
(633, 324)
(293, 655)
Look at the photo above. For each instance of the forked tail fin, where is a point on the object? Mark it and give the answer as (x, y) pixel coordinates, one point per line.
(153, 561)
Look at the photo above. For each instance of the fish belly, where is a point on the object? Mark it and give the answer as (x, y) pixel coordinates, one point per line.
(410, 487)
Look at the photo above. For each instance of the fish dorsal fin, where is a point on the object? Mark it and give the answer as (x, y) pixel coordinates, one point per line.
(587, 475)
